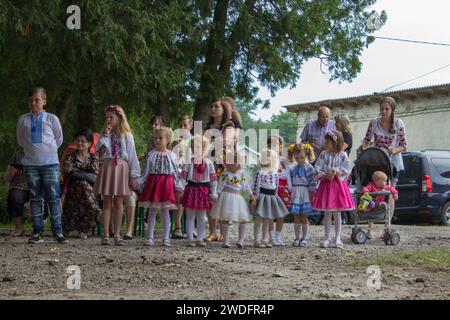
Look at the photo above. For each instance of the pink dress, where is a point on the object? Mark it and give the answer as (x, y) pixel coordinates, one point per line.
(333, 195)
(198, 181)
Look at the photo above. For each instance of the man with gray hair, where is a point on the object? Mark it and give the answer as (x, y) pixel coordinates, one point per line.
(315, 130)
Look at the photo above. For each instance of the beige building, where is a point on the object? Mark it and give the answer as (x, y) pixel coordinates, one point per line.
(425, 112)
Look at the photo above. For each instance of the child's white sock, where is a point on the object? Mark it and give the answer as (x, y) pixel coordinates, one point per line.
(200, 224)
(241, 232)
(265, 229)
(277, 235)
(224, 229)
(327, 225)
(297, 231)
(151, 222)
(166, 223)
(305, 228)
(190, 219)
(337, 224)
(257, 228)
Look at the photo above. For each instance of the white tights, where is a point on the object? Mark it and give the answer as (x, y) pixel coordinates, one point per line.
(165, 220)
(265, 228)
(337, 224)
(190, 221)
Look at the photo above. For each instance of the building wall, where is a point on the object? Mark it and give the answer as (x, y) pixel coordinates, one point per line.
(427, 121)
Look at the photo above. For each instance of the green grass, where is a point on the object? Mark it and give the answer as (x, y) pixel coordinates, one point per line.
(436, 259)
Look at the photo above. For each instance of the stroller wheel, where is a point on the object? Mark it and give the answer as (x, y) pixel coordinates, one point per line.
(394, 239)
(387, 237)
(360, 237)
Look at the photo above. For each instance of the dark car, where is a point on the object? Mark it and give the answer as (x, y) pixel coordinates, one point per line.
(424, 187)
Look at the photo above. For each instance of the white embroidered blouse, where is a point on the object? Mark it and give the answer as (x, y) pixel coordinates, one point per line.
(161, 163)
(329, 160)
(267, 179)
(233, 182)
(189, 172)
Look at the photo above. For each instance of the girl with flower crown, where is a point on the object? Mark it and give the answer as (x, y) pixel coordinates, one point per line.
(119, 171)
(332, 169)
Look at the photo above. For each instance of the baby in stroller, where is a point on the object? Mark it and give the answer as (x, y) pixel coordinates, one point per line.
(379, 184)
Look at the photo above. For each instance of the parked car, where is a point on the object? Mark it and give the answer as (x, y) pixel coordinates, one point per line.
(424, 186)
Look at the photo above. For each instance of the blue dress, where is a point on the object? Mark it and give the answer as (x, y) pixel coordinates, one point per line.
(301, 182)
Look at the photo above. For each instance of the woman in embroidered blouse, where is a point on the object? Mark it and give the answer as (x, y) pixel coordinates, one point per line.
(80, 210)
(220, 118)
(389, 134)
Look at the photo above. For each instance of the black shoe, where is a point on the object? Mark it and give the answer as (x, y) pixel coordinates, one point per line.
(36, 239)
(60, 238)
(126, 237)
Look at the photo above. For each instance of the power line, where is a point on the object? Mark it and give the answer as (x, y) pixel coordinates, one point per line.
(421, 76)
(415, 41)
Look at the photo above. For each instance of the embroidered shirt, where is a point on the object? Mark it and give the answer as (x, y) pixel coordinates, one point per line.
(234, 182)
(328, 161)
(191, 172)
(267, 179)
(384, 139)
(302, 175)
(40, 136)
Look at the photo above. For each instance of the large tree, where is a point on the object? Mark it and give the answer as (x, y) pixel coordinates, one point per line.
(250, 43)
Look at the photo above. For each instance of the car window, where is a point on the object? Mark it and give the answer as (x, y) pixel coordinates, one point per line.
(442, 166)
(413, 169)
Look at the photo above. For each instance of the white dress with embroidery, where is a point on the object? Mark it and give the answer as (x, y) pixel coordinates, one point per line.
(231, 204)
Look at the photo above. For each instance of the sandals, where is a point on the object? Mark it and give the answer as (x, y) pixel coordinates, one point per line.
(212, 237)
(105, 242)
(119, 241)
(176, 234)
(127, 237)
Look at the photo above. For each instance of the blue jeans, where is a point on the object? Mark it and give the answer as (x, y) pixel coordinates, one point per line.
(43, 183)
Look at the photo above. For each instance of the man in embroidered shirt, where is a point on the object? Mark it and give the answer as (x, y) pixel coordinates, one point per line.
(315, 130)
(40, 135)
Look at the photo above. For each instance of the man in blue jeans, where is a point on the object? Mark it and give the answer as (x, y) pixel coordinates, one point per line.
(40, 135)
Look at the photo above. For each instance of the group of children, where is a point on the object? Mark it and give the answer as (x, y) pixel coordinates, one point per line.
(187, 179)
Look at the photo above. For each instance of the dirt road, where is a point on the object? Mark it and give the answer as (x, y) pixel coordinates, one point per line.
(137, 272)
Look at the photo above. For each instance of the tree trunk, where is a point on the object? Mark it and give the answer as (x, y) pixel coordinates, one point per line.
(211, 86)
(63, 107)
(162, 108)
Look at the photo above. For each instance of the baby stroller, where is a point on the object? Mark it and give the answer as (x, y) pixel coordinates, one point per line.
(370, 160)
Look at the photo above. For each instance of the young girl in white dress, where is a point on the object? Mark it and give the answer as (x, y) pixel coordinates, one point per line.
(231, 205)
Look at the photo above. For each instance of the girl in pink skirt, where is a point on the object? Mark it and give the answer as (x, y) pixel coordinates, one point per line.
(158, 182)
(198, 181)
(120, 169)
(332, 169)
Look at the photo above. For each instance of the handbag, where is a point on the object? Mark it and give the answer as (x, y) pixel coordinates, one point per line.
(83, 176)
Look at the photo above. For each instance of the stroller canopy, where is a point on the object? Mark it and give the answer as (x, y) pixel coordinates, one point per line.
(370, 160)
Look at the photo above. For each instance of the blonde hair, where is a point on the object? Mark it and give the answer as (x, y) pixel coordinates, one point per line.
(186, 117)
(344, 120)
(268, 155)
(123, 127)
(235, 115)
(167, 133)
(379, 174)
(307, 150)
(204, 140)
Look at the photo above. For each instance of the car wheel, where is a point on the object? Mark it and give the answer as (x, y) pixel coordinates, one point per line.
(445, 215)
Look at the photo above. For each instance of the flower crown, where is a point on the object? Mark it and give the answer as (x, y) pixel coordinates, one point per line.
(333, 136)
(307, 146)
(115, 110)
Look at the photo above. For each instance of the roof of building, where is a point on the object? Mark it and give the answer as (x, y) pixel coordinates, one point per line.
(411, 93)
